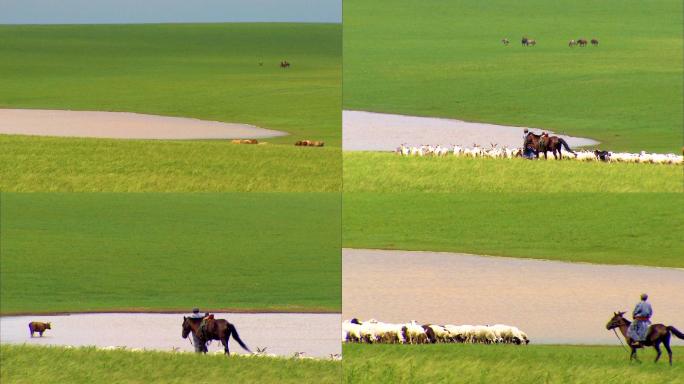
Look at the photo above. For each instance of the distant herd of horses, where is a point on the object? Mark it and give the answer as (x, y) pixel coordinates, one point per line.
(527, 42)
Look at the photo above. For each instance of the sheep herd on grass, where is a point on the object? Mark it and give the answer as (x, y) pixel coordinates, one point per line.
(260, 352)
(496, 152)
(376, 332)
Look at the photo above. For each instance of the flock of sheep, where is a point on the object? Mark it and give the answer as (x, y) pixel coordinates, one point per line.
(373, 331)
(261, 352)
(509, 153)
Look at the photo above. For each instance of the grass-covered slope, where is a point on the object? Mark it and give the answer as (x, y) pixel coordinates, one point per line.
(34, 365)
(46, 164)
(448, 363)
(613, 228)
(76, 252)
(445, 59)
(385, 172)
(206, 71)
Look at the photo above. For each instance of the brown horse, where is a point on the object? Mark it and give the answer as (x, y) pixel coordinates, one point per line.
(594, 42)
(218, 329)
(582, 42)
(657, 334)
(552, 143)
(284, 64)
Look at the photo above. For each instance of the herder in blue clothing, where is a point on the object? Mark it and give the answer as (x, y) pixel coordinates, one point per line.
(638, 330)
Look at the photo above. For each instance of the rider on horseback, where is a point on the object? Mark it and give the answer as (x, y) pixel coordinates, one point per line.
(642, 320)
(199, 347)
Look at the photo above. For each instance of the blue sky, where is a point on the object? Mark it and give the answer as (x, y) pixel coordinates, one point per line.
(168, 11)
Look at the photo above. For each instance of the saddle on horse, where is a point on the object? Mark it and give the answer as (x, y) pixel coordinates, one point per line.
(206, 326)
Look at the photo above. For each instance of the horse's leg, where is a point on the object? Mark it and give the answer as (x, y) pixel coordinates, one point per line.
(666, 343)
(226, 339)
(656, 345)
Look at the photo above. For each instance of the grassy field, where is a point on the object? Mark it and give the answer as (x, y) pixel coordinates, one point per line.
(42, 164)
(32, 365)
(76, 252)
(445, 59)
(385, 172)
(504, 364)
(612, 228)
(206, 71)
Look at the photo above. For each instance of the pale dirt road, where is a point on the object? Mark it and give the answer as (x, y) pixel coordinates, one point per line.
(318, 335)
(554, 302)
(122, 125)
(369, 131)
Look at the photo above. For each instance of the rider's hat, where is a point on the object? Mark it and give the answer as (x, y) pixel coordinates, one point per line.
(195, 310)
(644, 296)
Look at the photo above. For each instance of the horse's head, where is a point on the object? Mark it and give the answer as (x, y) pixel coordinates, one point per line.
(187, 327)
(616, 321)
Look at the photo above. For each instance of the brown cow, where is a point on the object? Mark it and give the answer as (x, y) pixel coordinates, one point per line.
(245, 141)
(37, 326)
(309, 143)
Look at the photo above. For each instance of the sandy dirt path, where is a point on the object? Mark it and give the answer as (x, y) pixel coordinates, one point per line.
(317, 335)
(122, 125)
(369, 131)
(536, 295)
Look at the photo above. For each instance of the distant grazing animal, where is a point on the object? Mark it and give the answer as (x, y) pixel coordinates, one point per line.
(524, 41)
(594, 42)
(602, 155)
(309, 143)
(582, 42)
(245, 141)
(284, 64)
(505, 41)
(572, 43)
(531, 42)
(37, 326)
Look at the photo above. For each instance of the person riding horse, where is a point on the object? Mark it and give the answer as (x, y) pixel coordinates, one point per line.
(206, 321)
(642, 320)
(196, 342)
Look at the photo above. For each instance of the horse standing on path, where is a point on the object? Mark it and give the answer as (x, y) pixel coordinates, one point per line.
(551, 143)
(657, 334)
(218, 329)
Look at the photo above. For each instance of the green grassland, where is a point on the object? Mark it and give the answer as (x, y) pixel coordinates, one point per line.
(605, 228)
(206, 71)
(445, 59)
(448, 363)
(79, 252)
(33, 365)
(386, 172)
(47, 164)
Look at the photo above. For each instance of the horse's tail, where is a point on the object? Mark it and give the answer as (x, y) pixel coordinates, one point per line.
(675, 332)
(565, 144)
(233, 332)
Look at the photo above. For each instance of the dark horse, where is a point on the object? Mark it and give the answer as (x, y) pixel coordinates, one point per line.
(657, 334)
(218, 329)
(552, 143)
